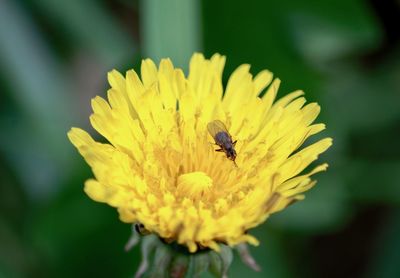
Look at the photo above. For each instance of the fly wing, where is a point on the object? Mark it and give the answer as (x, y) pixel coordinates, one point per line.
(216, 126)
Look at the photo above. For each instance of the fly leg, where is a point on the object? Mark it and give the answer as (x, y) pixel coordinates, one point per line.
(213, 143)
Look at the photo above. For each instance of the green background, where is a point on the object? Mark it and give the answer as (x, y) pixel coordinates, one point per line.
(54, 56)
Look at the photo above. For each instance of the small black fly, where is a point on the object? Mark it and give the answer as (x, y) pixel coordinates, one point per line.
(223, 139)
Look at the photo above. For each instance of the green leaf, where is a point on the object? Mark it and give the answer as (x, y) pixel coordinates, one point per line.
(198, 264)
(162, 259)
(220, 262)
(179, 265)
(149, 245)
(101, 35)
(170, 29)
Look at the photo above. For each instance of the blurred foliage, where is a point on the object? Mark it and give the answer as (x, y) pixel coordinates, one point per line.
(54, 56)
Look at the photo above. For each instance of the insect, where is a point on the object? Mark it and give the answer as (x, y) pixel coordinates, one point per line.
(223, 139)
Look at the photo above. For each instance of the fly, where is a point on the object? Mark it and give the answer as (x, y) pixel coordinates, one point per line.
(223, 139)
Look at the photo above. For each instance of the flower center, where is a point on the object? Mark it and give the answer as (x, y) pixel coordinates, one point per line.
(194, 184)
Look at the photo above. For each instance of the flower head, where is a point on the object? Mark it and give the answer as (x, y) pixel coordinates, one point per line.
(160, 167)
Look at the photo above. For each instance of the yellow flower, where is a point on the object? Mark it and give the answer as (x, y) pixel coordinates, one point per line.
(160, 167)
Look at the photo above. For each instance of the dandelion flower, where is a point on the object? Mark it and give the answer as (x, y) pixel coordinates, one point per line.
(160, 168)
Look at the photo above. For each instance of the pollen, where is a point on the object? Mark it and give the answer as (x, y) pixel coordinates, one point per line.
(194, 185)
